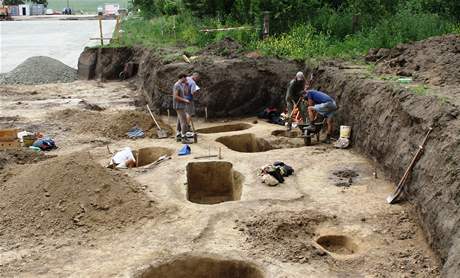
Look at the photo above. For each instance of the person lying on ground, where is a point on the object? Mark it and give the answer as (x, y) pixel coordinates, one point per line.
(191, 92)
(293, 95)
(320, 102)
(179, 103)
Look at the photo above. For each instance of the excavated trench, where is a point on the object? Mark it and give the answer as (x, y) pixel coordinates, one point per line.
(224, 128)
(213, 182)
(246, 143)
(388, 123)
(202, 267)
(146, 156)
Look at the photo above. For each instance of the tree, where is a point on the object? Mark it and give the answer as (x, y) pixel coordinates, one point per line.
(44, 2)
(13, 2)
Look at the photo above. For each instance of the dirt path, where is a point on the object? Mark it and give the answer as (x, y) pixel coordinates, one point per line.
(309, 226)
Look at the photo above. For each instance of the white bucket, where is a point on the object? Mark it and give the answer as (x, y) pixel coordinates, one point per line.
(345, 131)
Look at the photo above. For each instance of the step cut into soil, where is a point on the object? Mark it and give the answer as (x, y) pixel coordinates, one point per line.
(247, 143)
(202, 267)
(213, 182)
(224, 128)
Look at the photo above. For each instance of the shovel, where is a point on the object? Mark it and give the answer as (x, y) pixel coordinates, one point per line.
(399, 189)
(161, 133)
(195, 136)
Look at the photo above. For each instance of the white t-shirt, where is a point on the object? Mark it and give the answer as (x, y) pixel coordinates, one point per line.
(121, 157)
(192, 85)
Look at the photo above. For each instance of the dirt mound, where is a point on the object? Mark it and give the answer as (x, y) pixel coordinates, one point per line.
(110, 125)
(71, 193)
(23, 156)
(39, 70)
(435, 61)
(227, 47)
(284, 235)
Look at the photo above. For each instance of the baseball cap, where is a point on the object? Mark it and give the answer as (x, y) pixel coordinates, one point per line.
(299, 76)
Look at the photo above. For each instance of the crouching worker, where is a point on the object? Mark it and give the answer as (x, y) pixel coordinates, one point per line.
(179, 103)
(293, 95)
(319, 102)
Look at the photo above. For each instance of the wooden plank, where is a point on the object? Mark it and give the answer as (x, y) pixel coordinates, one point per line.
(8, 134)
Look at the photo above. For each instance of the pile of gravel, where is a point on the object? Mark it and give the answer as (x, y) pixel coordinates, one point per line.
(39, 70)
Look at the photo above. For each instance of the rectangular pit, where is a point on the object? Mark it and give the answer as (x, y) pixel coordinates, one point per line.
(212, 182)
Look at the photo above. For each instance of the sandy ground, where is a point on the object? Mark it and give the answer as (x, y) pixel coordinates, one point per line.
(63, 40)
(386, 240)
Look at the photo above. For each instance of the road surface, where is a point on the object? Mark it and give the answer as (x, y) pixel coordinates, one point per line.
(60, 39)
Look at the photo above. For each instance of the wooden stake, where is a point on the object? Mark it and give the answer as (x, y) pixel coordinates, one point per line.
(168, 117)
(220, 153)
(100, 31)
(206, 114)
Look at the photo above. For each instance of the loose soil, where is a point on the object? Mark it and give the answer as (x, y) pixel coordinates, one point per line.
(113, 125)
(435, 61)
(284, 235)
(69, 194)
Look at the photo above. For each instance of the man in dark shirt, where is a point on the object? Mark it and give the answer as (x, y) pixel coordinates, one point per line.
(179, 103)
(293, 94)
(319, 102)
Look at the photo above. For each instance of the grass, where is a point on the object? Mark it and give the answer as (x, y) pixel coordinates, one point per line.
(302, 42)
(183, 31)
(420, 89)
(87, 6)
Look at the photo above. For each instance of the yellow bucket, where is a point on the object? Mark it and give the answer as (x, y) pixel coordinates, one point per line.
(345, 131)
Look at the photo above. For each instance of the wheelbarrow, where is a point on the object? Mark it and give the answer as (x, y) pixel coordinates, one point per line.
(307, 134)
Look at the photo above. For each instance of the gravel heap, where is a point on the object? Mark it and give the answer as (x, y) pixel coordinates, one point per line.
(39, 70)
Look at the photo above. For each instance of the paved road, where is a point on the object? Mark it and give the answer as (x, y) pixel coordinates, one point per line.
(61, 39)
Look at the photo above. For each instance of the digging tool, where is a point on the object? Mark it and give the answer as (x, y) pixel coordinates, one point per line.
(399, 189)
(195, 136)
(160, 132)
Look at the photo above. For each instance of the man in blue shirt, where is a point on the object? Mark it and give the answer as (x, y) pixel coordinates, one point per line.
(319, 102)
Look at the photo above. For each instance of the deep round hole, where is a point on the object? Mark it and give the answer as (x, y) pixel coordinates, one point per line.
(247, 143)
(202, 267)
(285, 133)
(145, 156)
(338, 244)
(224, 128)
(213, 182)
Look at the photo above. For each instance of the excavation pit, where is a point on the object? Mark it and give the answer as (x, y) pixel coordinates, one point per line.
(145, 156)
(338, 244)
(213, 182)
(224, 128)
(247, 143)
(203, 267)
(286, 133)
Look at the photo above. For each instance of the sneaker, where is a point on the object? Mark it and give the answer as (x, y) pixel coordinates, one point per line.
(327, 140)
(178, 138)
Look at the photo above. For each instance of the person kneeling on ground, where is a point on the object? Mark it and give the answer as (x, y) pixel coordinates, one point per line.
(319, 102)
(179, 103)
(294, 93)
(191, 92)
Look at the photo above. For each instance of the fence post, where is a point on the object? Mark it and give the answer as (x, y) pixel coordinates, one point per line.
(266, 31)
(100, 31)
